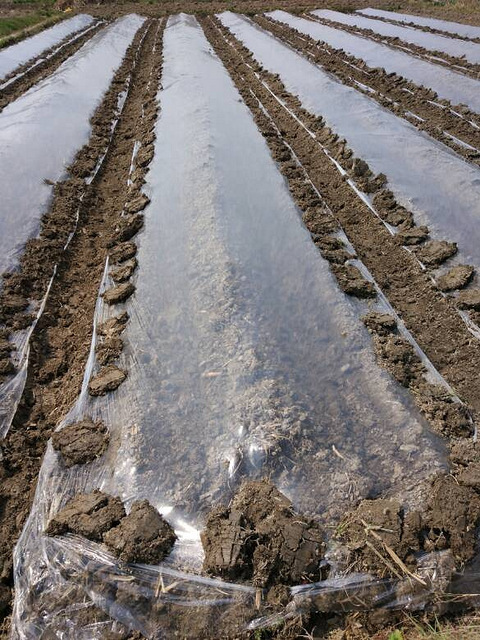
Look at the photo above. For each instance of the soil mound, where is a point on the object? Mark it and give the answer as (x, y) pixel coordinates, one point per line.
(260, 538)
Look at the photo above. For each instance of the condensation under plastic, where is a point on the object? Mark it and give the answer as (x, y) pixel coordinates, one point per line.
(21, 52)
(466, 30)
(449, 85)
(449, 189)
(27, 127)
(238, 337)
(430, 41)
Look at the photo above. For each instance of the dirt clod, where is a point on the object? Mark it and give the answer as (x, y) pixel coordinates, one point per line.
(125, 271)
(436, 251)
(260, 538)
(123, 251)
(352, 282)
(119, 293)
(412, 236)
(469, 299)
(81, 442)
(456, 278)
(87, 514)
(107, 379)
(143, 536)
(381, 323)
(137, 204)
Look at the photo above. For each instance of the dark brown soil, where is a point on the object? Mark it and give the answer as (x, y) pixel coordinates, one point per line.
(81, 442)
(39, 68)
(261, 539)
(107, 379)
(393, 92)
(89, 515)
(143, 536)
(61, 341)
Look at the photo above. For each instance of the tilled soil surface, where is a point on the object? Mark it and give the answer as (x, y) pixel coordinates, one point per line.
(438, 57)
(60, 345)
(24, 77)
(402, 97)
(253, 537)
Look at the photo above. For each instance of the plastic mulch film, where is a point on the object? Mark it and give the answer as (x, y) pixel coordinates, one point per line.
(466, 30)
(431, 41)
(243, 359)
(450, 188)
(20, 53)
(448, 84)
(61, 101)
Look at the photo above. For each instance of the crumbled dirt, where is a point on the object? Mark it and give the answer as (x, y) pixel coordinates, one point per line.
(435, 252)
(89, 515)
(138, 203)
(128, 226)
(143, 536)
(81, 442)
(118, 294)
(109, 350)
(107, 379)
(456, 278)
(260, 538)
(452, 517)
(114, 326)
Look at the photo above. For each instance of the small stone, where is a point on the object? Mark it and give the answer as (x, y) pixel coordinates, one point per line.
(108, 379)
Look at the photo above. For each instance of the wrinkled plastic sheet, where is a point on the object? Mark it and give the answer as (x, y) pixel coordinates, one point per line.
(466, 30)
(449, 85)
(430, 41)
(64, 102)
(441, 189)
(236, 328)
(18, 54)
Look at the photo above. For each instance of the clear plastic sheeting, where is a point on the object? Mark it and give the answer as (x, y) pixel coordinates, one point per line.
(52, 115)
(439, 187)
(466, 30)
(449, 85)
(20, 53)
(430, 41)
(244, 359)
